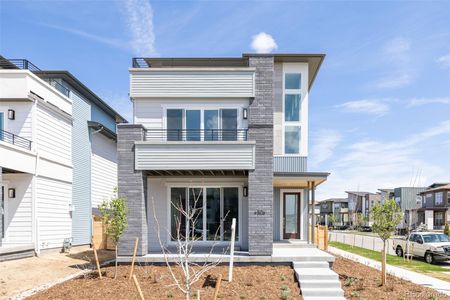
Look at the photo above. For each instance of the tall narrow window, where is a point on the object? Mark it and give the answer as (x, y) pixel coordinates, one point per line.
(292, 140)
(230, 211)
(211, 120)
(213, 214)
(193, 123)
(177, 219)
(174, 124)
(292, 108)
(196, 210)
(229, 124)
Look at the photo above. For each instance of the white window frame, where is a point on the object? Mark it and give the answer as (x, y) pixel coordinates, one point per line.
(204, 186)
(298, 123)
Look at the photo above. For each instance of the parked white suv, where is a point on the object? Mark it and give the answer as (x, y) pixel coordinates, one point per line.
(431, 246)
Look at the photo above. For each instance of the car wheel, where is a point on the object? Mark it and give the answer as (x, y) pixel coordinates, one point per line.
(429, 258)
(399, 251)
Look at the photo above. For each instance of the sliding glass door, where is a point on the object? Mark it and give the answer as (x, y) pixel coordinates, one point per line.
(213, 208)
(174, 124)
(193, 125)
(229, 124)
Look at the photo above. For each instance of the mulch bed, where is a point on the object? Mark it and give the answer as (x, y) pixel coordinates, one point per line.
(249, 282)
(362, 282)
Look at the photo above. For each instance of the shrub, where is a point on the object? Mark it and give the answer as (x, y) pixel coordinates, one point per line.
(447, 229)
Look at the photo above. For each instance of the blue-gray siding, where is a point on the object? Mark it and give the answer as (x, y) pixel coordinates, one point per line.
(288, 164)
(408, 197)
(100, 116)
(81, 159)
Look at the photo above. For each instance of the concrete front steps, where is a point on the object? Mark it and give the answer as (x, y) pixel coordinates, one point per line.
(317, 281)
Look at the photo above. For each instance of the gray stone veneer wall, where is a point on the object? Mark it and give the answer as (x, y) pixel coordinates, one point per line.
(132, 185)
(260, 195)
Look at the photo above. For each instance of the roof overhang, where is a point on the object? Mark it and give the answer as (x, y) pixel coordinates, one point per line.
(299, 179)
(103, 130)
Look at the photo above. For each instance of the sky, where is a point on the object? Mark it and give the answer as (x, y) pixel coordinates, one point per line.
(379, 109)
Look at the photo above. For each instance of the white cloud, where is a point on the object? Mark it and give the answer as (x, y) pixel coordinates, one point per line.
(397, 49)
(263, 43)
(428, 101)
(444, 61)
(139, 14)
(366, 106)
(371, 164)
(392, 82)
(323, 145)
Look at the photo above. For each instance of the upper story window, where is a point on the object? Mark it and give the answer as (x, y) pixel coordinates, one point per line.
(448, 197)
(439, 198)
(203, 125)
(292, 113)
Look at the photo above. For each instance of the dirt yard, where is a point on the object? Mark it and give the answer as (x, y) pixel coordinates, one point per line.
(17, 276)
(249, 282)
(362, 282)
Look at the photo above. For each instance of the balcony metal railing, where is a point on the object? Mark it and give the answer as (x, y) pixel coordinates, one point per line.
(58, 86)
(140, 62)
(197, 135)
(13, 139)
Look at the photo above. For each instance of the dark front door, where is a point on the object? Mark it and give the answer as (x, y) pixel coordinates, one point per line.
(291, 216)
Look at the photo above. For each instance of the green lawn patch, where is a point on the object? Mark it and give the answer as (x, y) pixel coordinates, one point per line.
(415, 265)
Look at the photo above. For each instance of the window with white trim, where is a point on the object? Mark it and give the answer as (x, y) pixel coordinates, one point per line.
(292, 113)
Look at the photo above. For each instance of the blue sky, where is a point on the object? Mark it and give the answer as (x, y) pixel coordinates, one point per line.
(379, 108)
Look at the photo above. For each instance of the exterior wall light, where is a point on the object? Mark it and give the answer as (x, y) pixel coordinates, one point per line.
(11, 114)
(11, 193)
(245, 191)
(245, 113)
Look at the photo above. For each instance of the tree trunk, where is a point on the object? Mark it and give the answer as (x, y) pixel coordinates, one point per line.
(383, 264)
(115, 274)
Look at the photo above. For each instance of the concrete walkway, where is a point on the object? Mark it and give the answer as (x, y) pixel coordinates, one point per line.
(417, 278)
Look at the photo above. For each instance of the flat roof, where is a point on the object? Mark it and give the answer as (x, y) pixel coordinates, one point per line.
(314, 61)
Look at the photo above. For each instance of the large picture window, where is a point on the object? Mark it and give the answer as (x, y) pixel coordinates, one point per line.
(213, 208)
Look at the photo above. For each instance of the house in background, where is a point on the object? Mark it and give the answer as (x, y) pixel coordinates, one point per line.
(386, 194)
(232, 132)
(57, 156)
(337, 207)
(434, 211)
(408, 199)
(361, 203)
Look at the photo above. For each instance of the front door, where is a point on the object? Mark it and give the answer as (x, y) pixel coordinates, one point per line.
(291, 216)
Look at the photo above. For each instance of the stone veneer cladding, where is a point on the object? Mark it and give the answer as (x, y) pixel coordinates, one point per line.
(133, 187)
(260, 201)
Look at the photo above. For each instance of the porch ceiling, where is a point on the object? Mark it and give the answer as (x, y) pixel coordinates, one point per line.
(299, 179)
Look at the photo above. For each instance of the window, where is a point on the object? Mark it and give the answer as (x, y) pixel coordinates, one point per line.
(439, 198)
(198, 124)
(292, 108)
(448, 197)
(429, 199)
(292, 81)
(292, 113)
(213, 207)
(292, 140)
(439, 218)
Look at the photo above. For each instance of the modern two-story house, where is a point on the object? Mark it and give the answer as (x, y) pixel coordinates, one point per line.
(229, 132)
(360, 203)
(434, 211)
(337, 207)
(58, 158)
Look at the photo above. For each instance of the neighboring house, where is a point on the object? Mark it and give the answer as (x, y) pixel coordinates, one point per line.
(337, 207)
(57, 155)
(434, 212)
(232, 132)
(408, 200)
(361, 203)
(386, 194)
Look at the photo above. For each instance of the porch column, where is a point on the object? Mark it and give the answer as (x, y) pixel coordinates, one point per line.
(308, 215)
(260, 180)
(1, 212)
(133, 187)
(313, 204)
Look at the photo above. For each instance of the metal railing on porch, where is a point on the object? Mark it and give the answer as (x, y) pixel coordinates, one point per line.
(16, 140)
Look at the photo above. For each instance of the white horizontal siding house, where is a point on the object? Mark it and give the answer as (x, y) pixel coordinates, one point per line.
(58, 157)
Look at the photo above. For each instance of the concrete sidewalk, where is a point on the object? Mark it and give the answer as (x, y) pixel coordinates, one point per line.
(18, 276)
(417, 278)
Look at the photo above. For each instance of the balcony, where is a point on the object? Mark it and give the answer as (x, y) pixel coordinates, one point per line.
(195, 150)
(16, 140)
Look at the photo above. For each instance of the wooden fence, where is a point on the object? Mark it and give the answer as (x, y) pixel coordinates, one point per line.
(320, 236)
